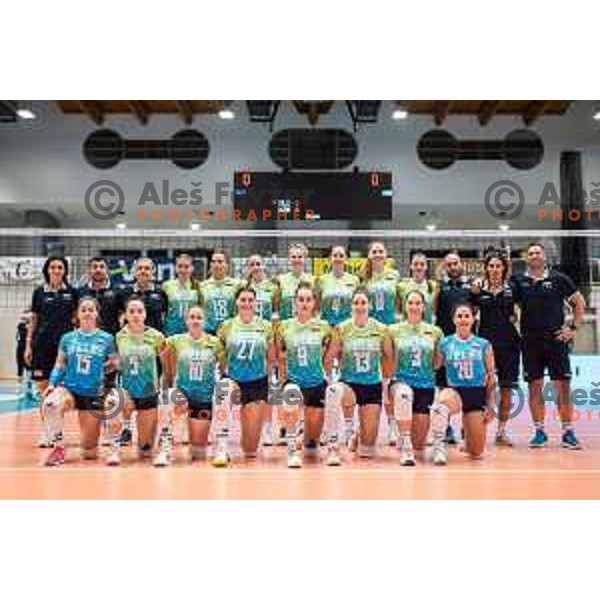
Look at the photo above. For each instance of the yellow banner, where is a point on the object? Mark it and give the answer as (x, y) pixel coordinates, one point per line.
(353, 265)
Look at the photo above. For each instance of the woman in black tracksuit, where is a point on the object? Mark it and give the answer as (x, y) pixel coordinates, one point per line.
(495, 299)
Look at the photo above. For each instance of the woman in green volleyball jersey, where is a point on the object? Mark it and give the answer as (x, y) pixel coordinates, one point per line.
(217, 293)
(382, 285)
(418, 281)
(139, 348)
(182, 294)
(335, 289)
(303, 349)
(192, 361)
(288, 282)
(365, 354)
(249, 357)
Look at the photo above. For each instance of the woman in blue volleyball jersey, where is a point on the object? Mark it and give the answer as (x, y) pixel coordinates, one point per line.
(86, 362)
(471, 375)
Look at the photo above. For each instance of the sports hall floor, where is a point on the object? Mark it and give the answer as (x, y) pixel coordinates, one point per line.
(519, 473)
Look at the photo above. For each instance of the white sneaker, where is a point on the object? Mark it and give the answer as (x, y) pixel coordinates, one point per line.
(220, 459)
(113, 458)
(440, 455)
(503, 439)
(267, 434)
(294, 461)
(333, 458)
(163, 458)
(407, 458)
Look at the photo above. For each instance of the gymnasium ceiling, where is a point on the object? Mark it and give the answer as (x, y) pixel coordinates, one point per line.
(361, 111)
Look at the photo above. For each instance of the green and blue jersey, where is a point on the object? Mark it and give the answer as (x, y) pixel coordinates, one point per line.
(196, 364)
(383, 290)
(217, 297)
(180, 299)
(362, 351)
(138, 354)
(288, 284)
(415, 348)
(335, 294)
(303, 344)
(246, 346)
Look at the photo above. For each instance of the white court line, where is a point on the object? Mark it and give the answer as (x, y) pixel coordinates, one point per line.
(430, 470)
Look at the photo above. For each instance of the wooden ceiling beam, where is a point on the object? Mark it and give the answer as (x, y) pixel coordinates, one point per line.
(184, 108)
(487, 111)
(535, 110)
(138, 108)
(93, 109)
(440, 111)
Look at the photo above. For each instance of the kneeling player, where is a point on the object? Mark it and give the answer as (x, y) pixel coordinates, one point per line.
(362, 346)
(471, 375)
(412, 390)
(192, 361)
(302, 348)
(249, 357)
(86, 358)
(140, 347)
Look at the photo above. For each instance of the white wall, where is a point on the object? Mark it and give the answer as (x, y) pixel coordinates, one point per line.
(41, 164)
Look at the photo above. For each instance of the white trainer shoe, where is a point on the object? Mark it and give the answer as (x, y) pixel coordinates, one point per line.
(294, 460)
(114, 458)
(440, 455)
(163, 458)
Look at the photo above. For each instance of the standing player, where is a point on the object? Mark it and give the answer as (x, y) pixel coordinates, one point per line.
(192, 361)
(144, 287)
(140, 348)
(249, 356)
(288, 282)
(454, 288)
(181, 293)
(98, 286)
(542, 295)
(471, 377)
(85, 357)
(365, 354)
(267, 306)
(302, 348)
(335, 289)
(416, 351)
(418, 281)
(217, 293)
(52, 308)
(267, 290)
(495, 299)
(382, 286)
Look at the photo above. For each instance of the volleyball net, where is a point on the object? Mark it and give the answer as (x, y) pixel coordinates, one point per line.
(23, 252)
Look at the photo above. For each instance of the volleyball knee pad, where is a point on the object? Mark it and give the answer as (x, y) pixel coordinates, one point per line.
(402, 396)
(334, 393)
(439, 418)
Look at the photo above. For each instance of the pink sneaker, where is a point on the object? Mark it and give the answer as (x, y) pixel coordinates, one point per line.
(56, 457)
